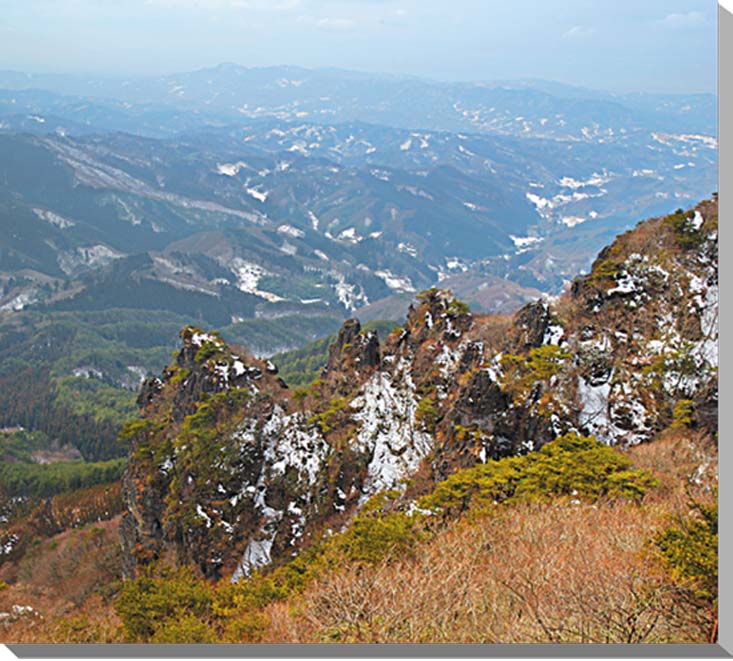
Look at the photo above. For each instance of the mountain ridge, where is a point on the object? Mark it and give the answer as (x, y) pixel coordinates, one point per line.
(246, 474)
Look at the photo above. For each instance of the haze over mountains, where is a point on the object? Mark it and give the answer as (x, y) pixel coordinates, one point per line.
(340, 189)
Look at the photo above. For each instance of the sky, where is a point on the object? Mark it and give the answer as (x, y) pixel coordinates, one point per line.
(621, 45)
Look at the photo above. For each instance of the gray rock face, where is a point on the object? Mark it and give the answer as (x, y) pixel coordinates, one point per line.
(531, 325)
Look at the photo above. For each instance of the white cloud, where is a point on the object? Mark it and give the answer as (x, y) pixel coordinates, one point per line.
(578, 32)
(691, 19)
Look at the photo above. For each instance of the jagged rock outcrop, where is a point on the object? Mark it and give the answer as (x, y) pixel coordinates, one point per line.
(231, 470)
(352, 353)
(530, 326)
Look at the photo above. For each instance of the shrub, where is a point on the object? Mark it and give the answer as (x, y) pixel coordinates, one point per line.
(606, 269)
(329, 418)
(150, 606)
(185, 629)
(689, 550)
(571, 465)
(426, 414)
(457, 308)
(371, 537)
(685, 234)
(141, 430)
(683, 415)
(523, 372)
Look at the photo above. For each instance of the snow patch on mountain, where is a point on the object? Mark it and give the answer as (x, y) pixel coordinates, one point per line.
(54, 218)
(289, 230)
(248, 276)
(230, 169)
(93, 256)
(386, 409)
(395, 282)
(260, 196)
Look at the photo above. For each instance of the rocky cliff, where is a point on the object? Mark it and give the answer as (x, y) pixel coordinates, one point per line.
(232, 470)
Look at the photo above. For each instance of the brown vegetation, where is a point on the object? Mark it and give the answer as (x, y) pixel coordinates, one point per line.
(60, 590)
(560, 572)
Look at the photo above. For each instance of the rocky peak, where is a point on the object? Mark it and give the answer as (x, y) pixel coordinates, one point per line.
(352, 349)
(206, 365)
(436, 316)
(530, 325)
(233, 469)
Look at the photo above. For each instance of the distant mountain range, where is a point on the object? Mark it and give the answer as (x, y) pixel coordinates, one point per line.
(309, 180)
(274, 203)
(229, 92)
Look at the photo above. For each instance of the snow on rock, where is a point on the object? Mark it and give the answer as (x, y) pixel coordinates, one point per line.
(625, 284)
(386, 410)
(256, 555)
(494, 369)
(448, 360)
(705, 303)
(7, 546)
(348, 295)
(594, 413)
(293, 444)
(203, 515)
(553, 334)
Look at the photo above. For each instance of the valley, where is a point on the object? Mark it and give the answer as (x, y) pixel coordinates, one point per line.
(282, 347)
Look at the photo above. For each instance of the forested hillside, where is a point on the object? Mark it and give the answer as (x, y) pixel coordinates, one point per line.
(433, 483)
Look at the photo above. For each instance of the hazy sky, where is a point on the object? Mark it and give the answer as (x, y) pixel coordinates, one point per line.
(655, 45)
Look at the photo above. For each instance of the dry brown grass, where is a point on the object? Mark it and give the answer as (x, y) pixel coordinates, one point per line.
(686, 464)
(66, 581)
(93, 622)
(563, 572)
